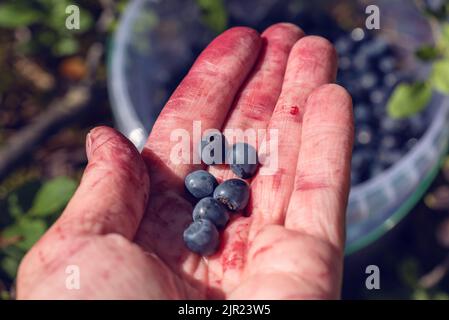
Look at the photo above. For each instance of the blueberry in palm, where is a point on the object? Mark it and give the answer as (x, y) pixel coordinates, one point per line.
(202, 237)
(200, 183)
(242, 159)
(213, 148)
(233, 193)
(213, 210)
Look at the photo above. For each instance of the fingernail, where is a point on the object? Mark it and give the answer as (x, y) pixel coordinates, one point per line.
(89, 143)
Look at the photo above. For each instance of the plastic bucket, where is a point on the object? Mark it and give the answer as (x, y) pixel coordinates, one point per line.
(142, 62)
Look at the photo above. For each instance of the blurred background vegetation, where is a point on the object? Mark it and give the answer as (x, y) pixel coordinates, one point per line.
(53, 91)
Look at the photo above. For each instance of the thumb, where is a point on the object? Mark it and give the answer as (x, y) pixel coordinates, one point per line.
(113, 191)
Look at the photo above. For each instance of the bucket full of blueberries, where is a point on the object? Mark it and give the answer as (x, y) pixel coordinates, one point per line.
(394, 158)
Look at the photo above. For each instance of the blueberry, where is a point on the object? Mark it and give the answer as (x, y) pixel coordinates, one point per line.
(344, 63)
(358, 34)
(376, 169)
(233, 193)
(394, 126)
(417, 125)
(242, 159)
(434, 5)
(200, 183)
(364, 135)
(390, 80)
(379, 112)
(368, 80)
(377, 96)
(374, 48)
(389, 158)
(343, 45)
(360, 160)
(390, 142)
(202, 237)
(387, 64)
(213, 148)
(355, 178)
(212, 210)
(362, 113)
(360, 61)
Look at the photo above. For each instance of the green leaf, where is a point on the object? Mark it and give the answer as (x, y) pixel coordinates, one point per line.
(440, 296)
(438, 10)
(420, 294)
(13, 15)
(13, 252)
(65, 46)
(5, 295)
(86, 21)
(427, 53)
(56, 16)
(440, 76)
(445, 32)
(443, 41)
(10, 265)
(30, 230)
(408, 99)
(214, 14)
(14, 207)
(53, 196)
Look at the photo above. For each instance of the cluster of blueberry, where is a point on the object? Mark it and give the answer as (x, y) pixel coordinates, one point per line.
(217, 201)
(370, 70)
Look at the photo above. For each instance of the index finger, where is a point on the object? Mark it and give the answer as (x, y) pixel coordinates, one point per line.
(205, 95)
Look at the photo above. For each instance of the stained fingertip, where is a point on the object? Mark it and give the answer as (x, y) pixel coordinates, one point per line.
(97, 137)
(109, 143)
(226, 43)
(114, 189)
(316, 51)
(308, 46)
(243, 31)
(282, 28)
(333, 89)
(340, 100)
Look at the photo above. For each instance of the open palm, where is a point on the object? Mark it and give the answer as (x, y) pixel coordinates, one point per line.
(123, 227)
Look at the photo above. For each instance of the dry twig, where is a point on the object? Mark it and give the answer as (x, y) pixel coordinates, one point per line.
(61, 111)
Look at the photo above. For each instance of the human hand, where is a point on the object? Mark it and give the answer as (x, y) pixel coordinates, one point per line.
(123, 227)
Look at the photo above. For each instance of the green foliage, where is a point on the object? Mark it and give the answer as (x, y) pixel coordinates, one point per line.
(439, 13)
(26, 229)
(427, 53)
(9, 265)
(53, 196)
(65, 46)
(28, 222)
(5, 295)
(408, 99)
(440, 76)
(47, 18)
(147, 20)
(214, 14)
(444, 41)
(15, 14)
(409, 273)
